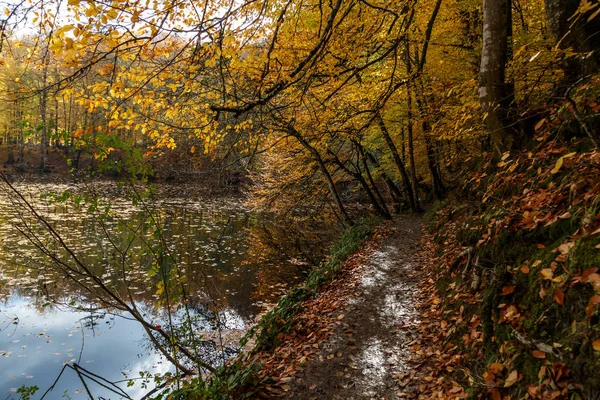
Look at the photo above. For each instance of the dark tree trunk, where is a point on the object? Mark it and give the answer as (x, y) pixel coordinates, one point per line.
(583, 37)
(363, 157)
(411, 144)
(44, 109)
(394, 191)
(495, 94)
(399, 165)
(439, 190)
(381, 211)
(409, 123)
(330, 184)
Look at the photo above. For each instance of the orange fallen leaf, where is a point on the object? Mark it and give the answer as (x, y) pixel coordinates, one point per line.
(496, 394)
(559, 296)
(539, 354)
(596, 345)
(506, 290)
(494, 368)
(588, 272)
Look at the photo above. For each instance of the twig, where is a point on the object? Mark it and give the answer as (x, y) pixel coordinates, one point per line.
(546, 348)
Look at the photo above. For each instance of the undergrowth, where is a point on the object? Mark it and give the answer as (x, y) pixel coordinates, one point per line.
(518, 251)
(531, 270)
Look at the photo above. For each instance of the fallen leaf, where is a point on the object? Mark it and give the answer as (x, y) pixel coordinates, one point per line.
(596, 345)
(496, 394)
(560, 161)
(539, 354)
(547, 273)
(588, 272)
(539, 124)
(559, 296)
(506, 290)
(589, 310)
(566, 215)
(495, 368)
(565, 247)
(511, 379)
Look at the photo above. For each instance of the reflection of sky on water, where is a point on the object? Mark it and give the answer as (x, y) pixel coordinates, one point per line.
(39, 344)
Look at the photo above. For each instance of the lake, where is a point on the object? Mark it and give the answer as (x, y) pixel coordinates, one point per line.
(180, 258)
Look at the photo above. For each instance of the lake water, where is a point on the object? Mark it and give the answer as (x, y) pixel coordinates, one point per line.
(209, 253)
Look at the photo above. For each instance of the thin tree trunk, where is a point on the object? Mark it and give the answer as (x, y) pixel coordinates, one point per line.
(436, 177)
(330, 184)
(383, 212)
(411, 145)
(363, 157)
(399, 164)
(394, 191)
(582, 34)
(403, 145)
(43, 110)
(21, 132)
(409, 117)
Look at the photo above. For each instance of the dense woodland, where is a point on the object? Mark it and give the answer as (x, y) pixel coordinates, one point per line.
(484, 114)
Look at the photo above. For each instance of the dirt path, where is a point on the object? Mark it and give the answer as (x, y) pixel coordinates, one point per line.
(367, 356)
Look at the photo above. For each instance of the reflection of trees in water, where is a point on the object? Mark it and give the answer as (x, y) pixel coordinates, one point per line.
(176, 271)
(297, 241)
(219, 254)
(66, 257)
(210, 339)
(213, 349)
(95, 317)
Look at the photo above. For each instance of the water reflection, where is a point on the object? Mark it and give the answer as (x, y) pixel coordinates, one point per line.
(204, 249)
(35, 346)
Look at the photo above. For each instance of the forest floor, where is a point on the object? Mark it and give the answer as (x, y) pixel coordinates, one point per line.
(361, 346)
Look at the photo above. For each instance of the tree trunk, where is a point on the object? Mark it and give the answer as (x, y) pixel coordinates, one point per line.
(496, 96)
(399, 164)
(411, 144)
(581, 35)
(43, 111)
(394, 191)
(363, 157)
(381, 211)
(330, 184)
(21, 132)
(409, 122)
(436, 177)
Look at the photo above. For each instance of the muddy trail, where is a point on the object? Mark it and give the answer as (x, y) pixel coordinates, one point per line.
(367, 356)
